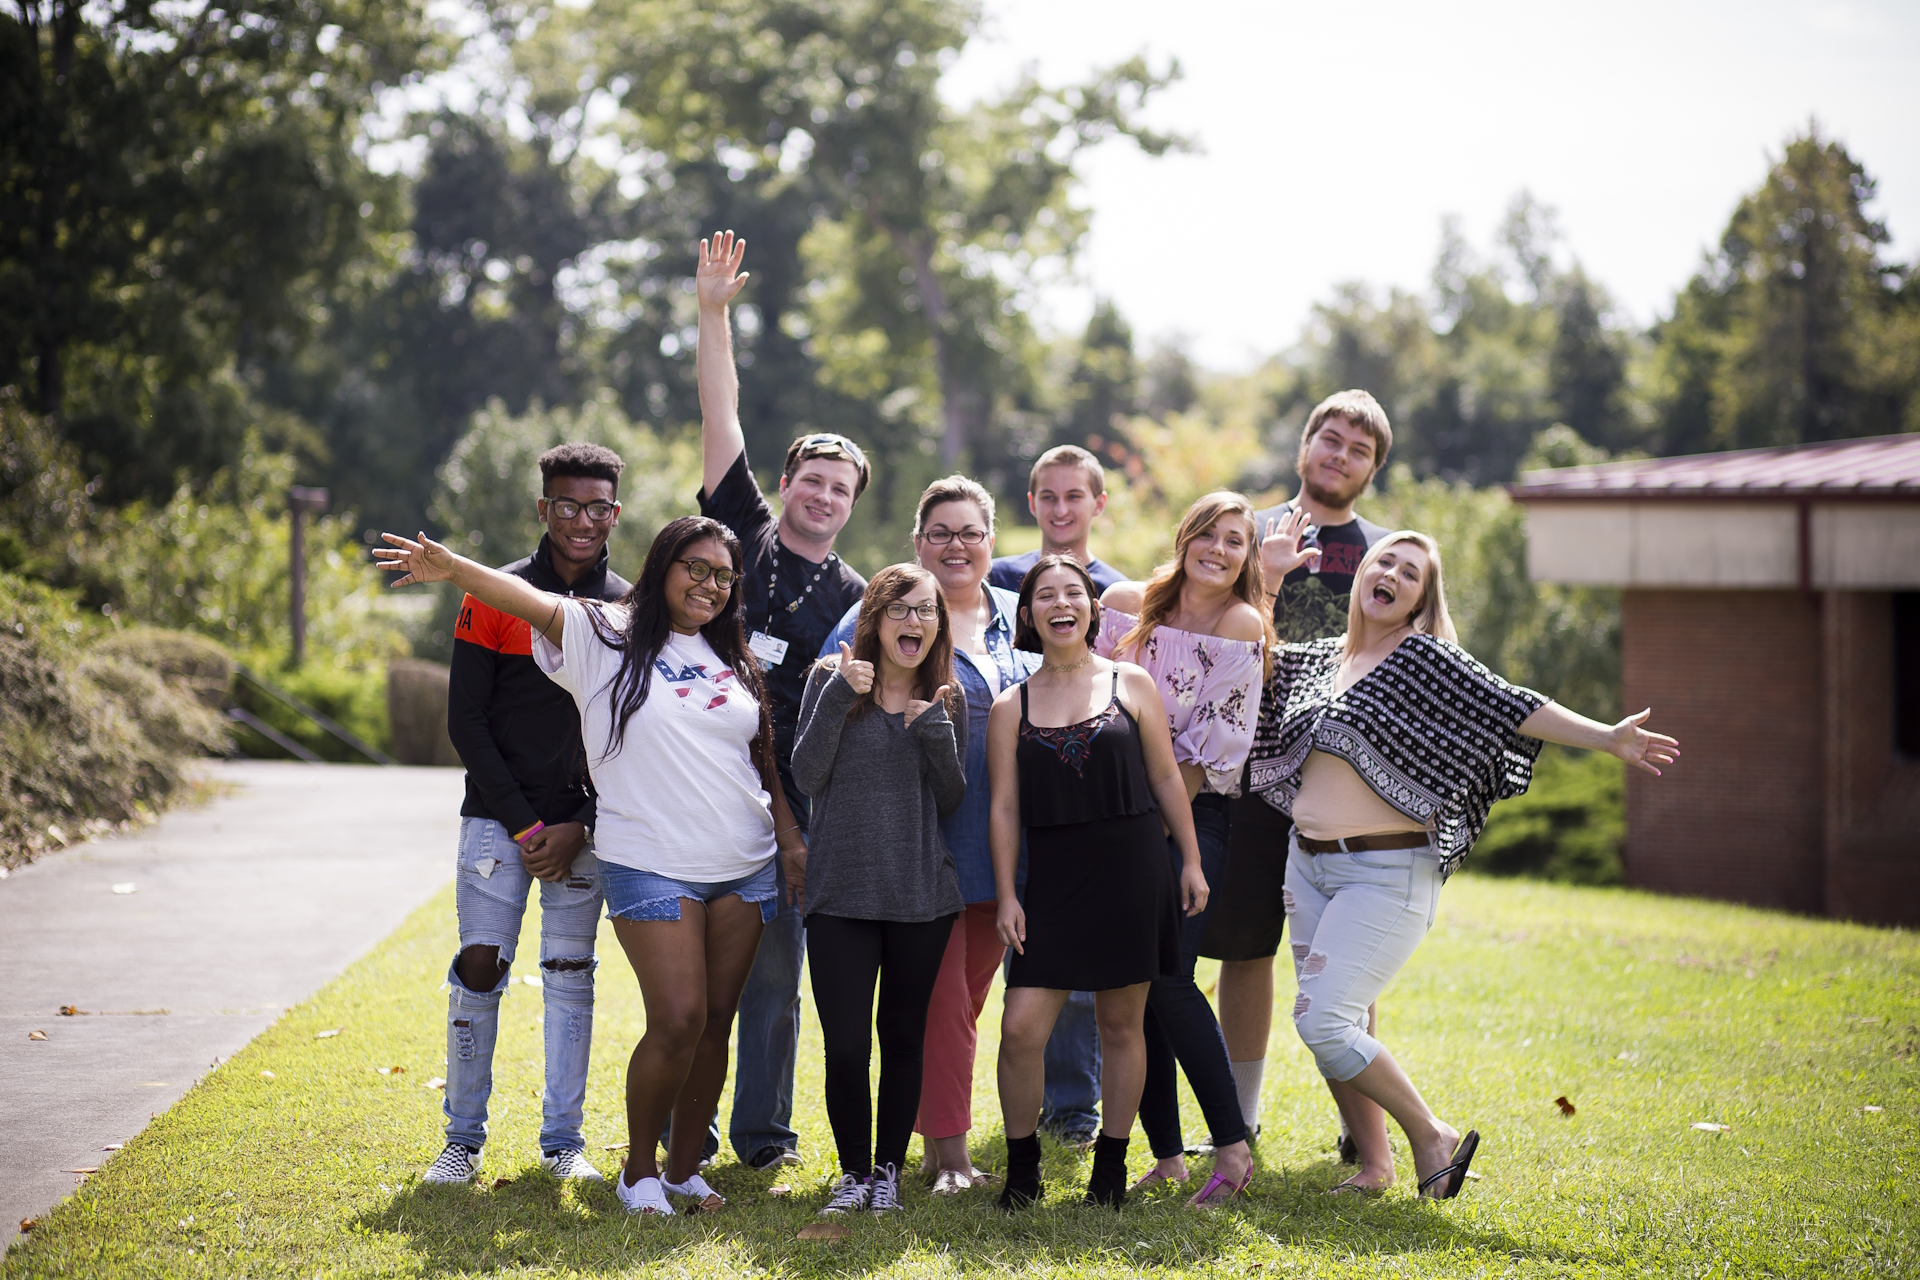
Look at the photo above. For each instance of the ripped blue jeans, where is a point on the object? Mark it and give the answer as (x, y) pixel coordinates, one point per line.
(491, 898)
(1353, 919)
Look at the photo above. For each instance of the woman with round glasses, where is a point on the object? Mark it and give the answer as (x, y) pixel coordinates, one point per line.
(953, 540)
(673, 714)
(879, 755)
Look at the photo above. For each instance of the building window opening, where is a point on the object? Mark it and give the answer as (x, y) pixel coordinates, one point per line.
(1906, 673)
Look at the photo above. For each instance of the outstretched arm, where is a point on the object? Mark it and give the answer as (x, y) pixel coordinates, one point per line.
(429, 561)
(1639, 748)
(716, 281)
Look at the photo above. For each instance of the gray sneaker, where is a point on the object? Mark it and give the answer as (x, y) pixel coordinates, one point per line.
(456, 1164)
(850, 1195)
(772, 1157)
(885, 1195)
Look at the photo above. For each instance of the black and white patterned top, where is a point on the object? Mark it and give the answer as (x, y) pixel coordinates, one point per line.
(1430, 729)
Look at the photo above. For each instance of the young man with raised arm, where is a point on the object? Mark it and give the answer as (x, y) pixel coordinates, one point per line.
(528, 816)
(1342, 448)
(794, 590)
(1066, 489)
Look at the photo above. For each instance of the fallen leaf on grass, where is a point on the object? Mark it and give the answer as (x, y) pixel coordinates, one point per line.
(1708, 1126)
(1566, 1108)
(502, 1182)
(114, 1146)
(391, 1071)
(1473, 1175)
(327, 1035)
(28, 1224)
(824, 1231)
(124, 887)
(266, 1075)
(438, 1082)
(615, 1146)
(779, 1189)
(36, 1035)
(1870, 1109)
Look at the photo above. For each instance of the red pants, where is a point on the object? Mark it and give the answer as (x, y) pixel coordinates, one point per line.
(974, 953)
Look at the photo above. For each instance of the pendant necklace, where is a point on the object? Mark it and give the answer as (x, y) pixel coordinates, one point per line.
(773, 582)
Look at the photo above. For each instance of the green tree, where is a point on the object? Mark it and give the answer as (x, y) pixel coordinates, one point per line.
(176, 183)
(1796, 328)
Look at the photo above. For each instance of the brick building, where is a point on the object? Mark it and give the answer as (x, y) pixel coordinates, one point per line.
(1771, 619)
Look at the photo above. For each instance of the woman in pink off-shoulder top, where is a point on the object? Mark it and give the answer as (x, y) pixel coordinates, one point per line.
(1199, 630)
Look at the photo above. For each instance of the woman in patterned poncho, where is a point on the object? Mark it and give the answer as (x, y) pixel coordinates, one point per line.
(1387, 747)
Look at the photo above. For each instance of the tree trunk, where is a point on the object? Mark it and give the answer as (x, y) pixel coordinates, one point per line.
(961, 405)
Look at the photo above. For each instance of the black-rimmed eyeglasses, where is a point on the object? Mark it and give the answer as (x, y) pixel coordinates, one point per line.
(899, 609)
(940, 536)
(700, 571)
(567, 509)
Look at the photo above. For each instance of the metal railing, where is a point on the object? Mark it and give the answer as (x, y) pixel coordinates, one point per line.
(327, 725)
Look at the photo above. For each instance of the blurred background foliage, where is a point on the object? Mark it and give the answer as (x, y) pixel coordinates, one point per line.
(244, 245)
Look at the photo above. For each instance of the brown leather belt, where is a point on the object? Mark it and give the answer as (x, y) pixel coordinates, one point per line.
(1362, 844)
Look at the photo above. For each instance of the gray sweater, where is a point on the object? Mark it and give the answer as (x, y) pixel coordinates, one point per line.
(879, 788)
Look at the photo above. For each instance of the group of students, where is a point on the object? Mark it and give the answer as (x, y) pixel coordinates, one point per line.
(963, 766)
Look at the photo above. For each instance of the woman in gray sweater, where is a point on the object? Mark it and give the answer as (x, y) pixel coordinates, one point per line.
(881, 755)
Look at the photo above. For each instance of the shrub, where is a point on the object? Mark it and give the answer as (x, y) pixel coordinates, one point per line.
(1570, 826)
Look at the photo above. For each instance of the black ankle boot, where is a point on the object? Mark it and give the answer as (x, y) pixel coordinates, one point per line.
(1023, 1172)
(1108, 1183)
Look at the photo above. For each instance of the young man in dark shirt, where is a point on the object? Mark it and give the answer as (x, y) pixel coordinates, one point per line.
(793, 590)
(1342, 448)
(1066, 489)
(528, 816)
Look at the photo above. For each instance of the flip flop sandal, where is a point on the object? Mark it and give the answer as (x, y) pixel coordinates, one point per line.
(1351, 1187)
(950, 1182)
(1450, 1179)
(1149, 1180)
(696, 1188)
(1208, 1195)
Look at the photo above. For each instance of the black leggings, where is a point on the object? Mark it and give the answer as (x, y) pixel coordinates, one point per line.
(845, 957)
(1180, 1024)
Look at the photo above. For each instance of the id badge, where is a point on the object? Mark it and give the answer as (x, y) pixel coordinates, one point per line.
(768, 649)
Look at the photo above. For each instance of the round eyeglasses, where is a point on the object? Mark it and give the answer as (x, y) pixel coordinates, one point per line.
(940, 535)
(899, 609)
(700, 571)
(567, 509)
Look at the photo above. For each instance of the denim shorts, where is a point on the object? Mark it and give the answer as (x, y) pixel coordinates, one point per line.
(633, 894)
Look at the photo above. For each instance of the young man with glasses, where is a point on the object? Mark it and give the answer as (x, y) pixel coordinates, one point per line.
(528, 816)
(794, 589)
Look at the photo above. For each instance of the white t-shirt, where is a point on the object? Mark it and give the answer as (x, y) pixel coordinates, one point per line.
(682, 797)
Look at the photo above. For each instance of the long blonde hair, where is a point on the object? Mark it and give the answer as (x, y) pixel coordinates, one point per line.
(1162, 595)
(1430, 616)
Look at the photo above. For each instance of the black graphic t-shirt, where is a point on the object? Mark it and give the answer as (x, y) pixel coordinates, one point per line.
(738, 503)
(1312, 601)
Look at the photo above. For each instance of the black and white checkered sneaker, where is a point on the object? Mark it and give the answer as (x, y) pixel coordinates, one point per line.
(456, 1164)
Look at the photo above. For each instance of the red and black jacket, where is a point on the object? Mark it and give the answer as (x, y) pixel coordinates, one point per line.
(518, 732)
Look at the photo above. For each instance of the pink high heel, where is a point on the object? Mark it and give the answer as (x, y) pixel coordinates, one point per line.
(1207, 1194)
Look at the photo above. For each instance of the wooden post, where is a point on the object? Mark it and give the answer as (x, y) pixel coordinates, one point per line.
(301, 500)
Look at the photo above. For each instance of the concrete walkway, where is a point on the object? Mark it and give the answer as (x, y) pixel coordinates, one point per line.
(239, 910)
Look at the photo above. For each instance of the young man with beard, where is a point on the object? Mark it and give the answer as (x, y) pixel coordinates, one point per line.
(528, 816)
(1343, 447)
(794, 590)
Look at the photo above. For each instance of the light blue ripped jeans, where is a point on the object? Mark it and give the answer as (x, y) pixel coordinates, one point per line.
(1355, 919)
(491, 897)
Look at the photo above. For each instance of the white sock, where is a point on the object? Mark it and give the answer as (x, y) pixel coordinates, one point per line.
(1246, 1082)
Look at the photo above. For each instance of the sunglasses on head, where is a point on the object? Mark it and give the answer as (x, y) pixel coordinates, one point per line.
(827, 445)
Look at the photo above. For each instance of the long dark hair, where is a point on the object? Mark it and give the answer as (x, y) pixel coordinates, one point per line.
(1026, 636)
(649, 624)
(890, 584)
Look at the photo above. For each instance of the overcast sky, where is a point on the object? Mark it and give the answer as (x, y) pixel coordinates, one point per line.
(1335, 137)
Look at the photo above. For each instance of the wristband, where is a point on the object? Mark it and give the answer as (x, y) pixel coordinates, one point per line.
(530, 833)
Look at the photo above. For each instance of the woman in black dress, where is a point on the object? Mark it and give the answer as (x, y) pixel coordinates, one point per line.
(1081, 756)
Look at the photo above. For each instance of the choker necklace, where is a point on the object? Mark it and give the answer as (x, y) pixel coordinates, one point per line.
(1067, 668)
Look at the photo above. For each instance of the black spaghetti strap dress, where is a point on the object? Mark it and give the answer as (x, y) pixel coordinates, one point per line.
(1101, 902)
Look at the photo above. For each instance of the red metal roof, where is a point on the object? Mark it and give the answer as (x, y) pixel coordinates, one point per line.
(1874, 467)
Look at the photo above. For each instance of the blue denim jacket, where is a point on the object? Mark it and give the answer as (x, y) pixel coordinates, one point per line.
(966, 827)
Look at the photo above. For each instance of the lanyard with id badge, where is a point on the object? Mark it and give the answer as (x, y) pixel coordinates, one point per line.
(766, 646)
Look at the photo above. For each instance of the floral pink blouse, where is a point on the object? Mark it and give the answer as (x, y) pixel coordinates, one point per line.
(1212, 690)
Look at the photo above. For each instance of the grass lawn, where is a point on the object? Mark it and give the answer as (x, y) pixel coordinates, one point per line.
(1649, 1014)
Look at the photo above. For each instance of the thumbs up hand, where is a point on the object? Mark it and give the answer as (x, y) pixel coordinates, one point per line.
(915, 707)
(855, 672)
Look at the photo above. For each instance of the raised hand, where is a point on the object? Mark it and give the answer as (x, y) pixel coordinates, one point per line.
(422, 561)
(718, 277)
(915, 707)
(855, 672)
(1639, 748)
(1280, 549)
